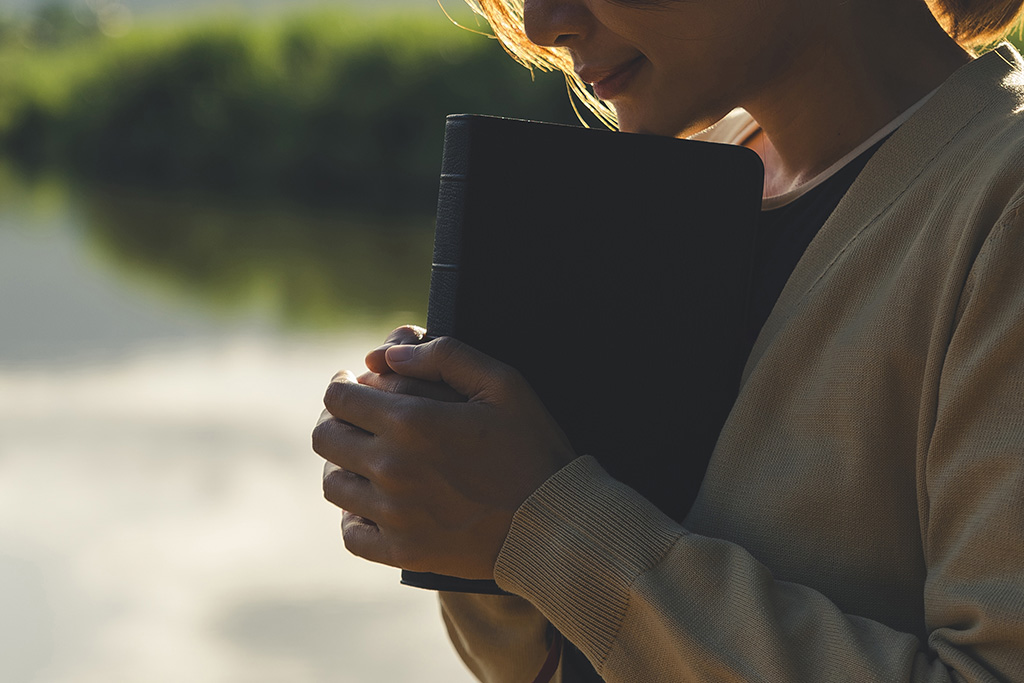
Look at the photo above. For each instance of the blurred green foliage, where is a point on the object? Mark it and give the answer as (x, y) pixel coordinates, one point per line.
(326, 107)
(53, 23)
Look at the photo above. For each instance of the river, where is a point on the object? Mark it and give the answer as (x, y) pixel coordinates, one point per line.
(162, 362)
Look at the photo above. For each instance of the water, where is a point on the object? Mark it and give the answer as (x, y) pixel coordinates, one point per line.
(160, 511)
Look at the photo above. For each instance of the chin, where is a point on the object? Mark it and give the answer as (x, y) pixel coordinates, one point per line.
(632, 120)
(669, 132)
(677, 126)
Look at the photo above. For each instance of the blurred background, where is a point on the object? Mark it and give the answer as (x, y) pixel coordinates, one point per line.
(207, 208)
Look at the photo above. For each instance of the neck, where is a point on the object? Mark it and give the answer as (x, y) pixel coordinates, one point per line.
(879, 61)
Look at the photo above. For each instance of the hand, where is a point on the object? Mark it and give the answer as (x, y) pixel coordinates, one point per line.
(382, 377)
(431, 485)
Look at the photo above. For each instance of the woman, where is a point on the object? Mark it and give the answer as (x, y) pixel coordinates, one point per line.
(862, 517)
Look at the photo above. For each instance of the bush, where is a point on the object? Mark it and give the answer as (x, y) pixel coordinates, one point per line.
(329, 108)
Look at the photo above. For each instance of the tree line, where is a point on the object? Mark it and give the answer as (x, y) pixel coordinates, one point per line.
(324, 107)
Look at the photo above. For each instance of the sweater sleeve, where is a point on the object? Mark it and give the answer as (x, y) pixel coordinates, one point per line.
(647, 600)
(699, 609)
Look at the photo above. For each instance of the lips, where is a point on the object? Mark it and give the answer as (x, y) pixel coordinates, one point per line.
(610, 81)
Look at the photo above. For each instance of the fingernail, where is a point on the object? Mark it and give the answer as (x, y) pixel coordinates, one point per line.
(401, 353)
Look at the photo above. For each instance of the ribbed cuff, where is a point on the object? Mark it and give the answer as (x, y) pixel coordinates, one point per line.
(575, 547)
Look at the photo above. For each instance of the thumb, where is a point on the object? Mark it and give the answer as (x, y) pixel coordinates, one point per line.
(463, 368)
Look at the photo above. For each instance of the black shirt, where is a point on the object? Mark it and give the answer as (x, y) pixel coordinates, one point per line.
(784, 233)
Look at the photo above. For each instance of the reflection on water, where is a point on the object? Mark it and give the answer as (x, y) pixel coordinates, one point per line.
(305, 268)
(266, 264)
(160, 514)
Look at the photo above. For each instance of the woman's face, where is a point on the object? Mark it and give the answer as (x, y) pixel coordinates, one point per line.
(676, 67)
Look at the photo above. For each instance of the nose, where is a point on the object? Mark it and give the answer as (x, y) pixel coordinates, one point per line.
(554, 23)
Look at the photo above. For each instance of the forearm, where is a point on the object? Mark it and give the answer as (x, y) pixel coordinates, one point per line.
(502, 639)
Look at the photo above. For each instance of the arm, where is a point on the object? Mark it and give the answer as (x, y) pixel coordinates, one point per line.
(502, 639)
(647, 600)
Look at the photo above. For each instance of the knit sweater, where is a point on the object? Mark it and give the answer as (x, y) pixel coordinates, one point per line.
(862, 518)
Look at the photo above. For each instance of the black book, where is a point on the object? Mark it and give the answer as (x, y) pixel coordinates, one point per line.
(612, 270)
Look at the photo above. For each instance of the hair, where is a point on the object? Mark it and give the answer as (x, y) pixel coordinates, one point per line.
(974, 24)
(506, 20)
(977, 23)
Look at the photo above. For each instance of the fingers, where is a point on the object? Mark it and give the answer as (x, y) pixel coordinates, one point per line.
(362, 536)
(407, 334)
(344, 445)
(365, 539)
(350, 492)
(359, 405)
(337, 440)
(360, 506)
(362, 426)
(410, 386)
(463, 368)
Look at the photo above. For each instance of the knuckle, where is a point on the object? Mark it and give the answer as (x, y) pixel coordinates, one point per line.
(389, 513)
(341, 374)
(354, 542)
(329, 468)
(410, 422)
(336, 397)
(361, 537)
(386, 472)
(401, 555)
(320, 437)
(336, 486)
(330, 483)
(331, 493)
(405, 334)
(404, 416)
(402, 385)
(377, 381)
(393, 384)
(446, 347)
(331, 437)
(382, 382)
(395, 475)
(508, 376)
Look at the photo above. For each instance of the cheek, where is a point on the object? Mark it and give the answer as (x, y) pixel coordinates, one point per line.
(715, 28)
(745, 59)
(714, 23)
(707, 57)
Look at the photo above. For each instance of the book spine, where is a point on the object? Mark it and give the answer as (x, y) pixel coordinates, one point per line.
(448, 233)
(444, 296)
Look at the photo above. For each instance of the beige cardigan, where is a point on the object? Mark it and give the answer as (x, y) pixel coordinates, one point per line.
(862, 518)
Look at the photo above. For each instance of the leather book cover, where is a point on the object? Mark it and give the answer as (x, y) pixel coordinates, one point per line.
(612, 270)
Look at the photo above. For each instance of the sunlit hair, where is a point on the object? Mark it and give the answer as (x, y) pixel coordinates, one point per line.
(972, 23)
(977, 23)
(506, 20)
